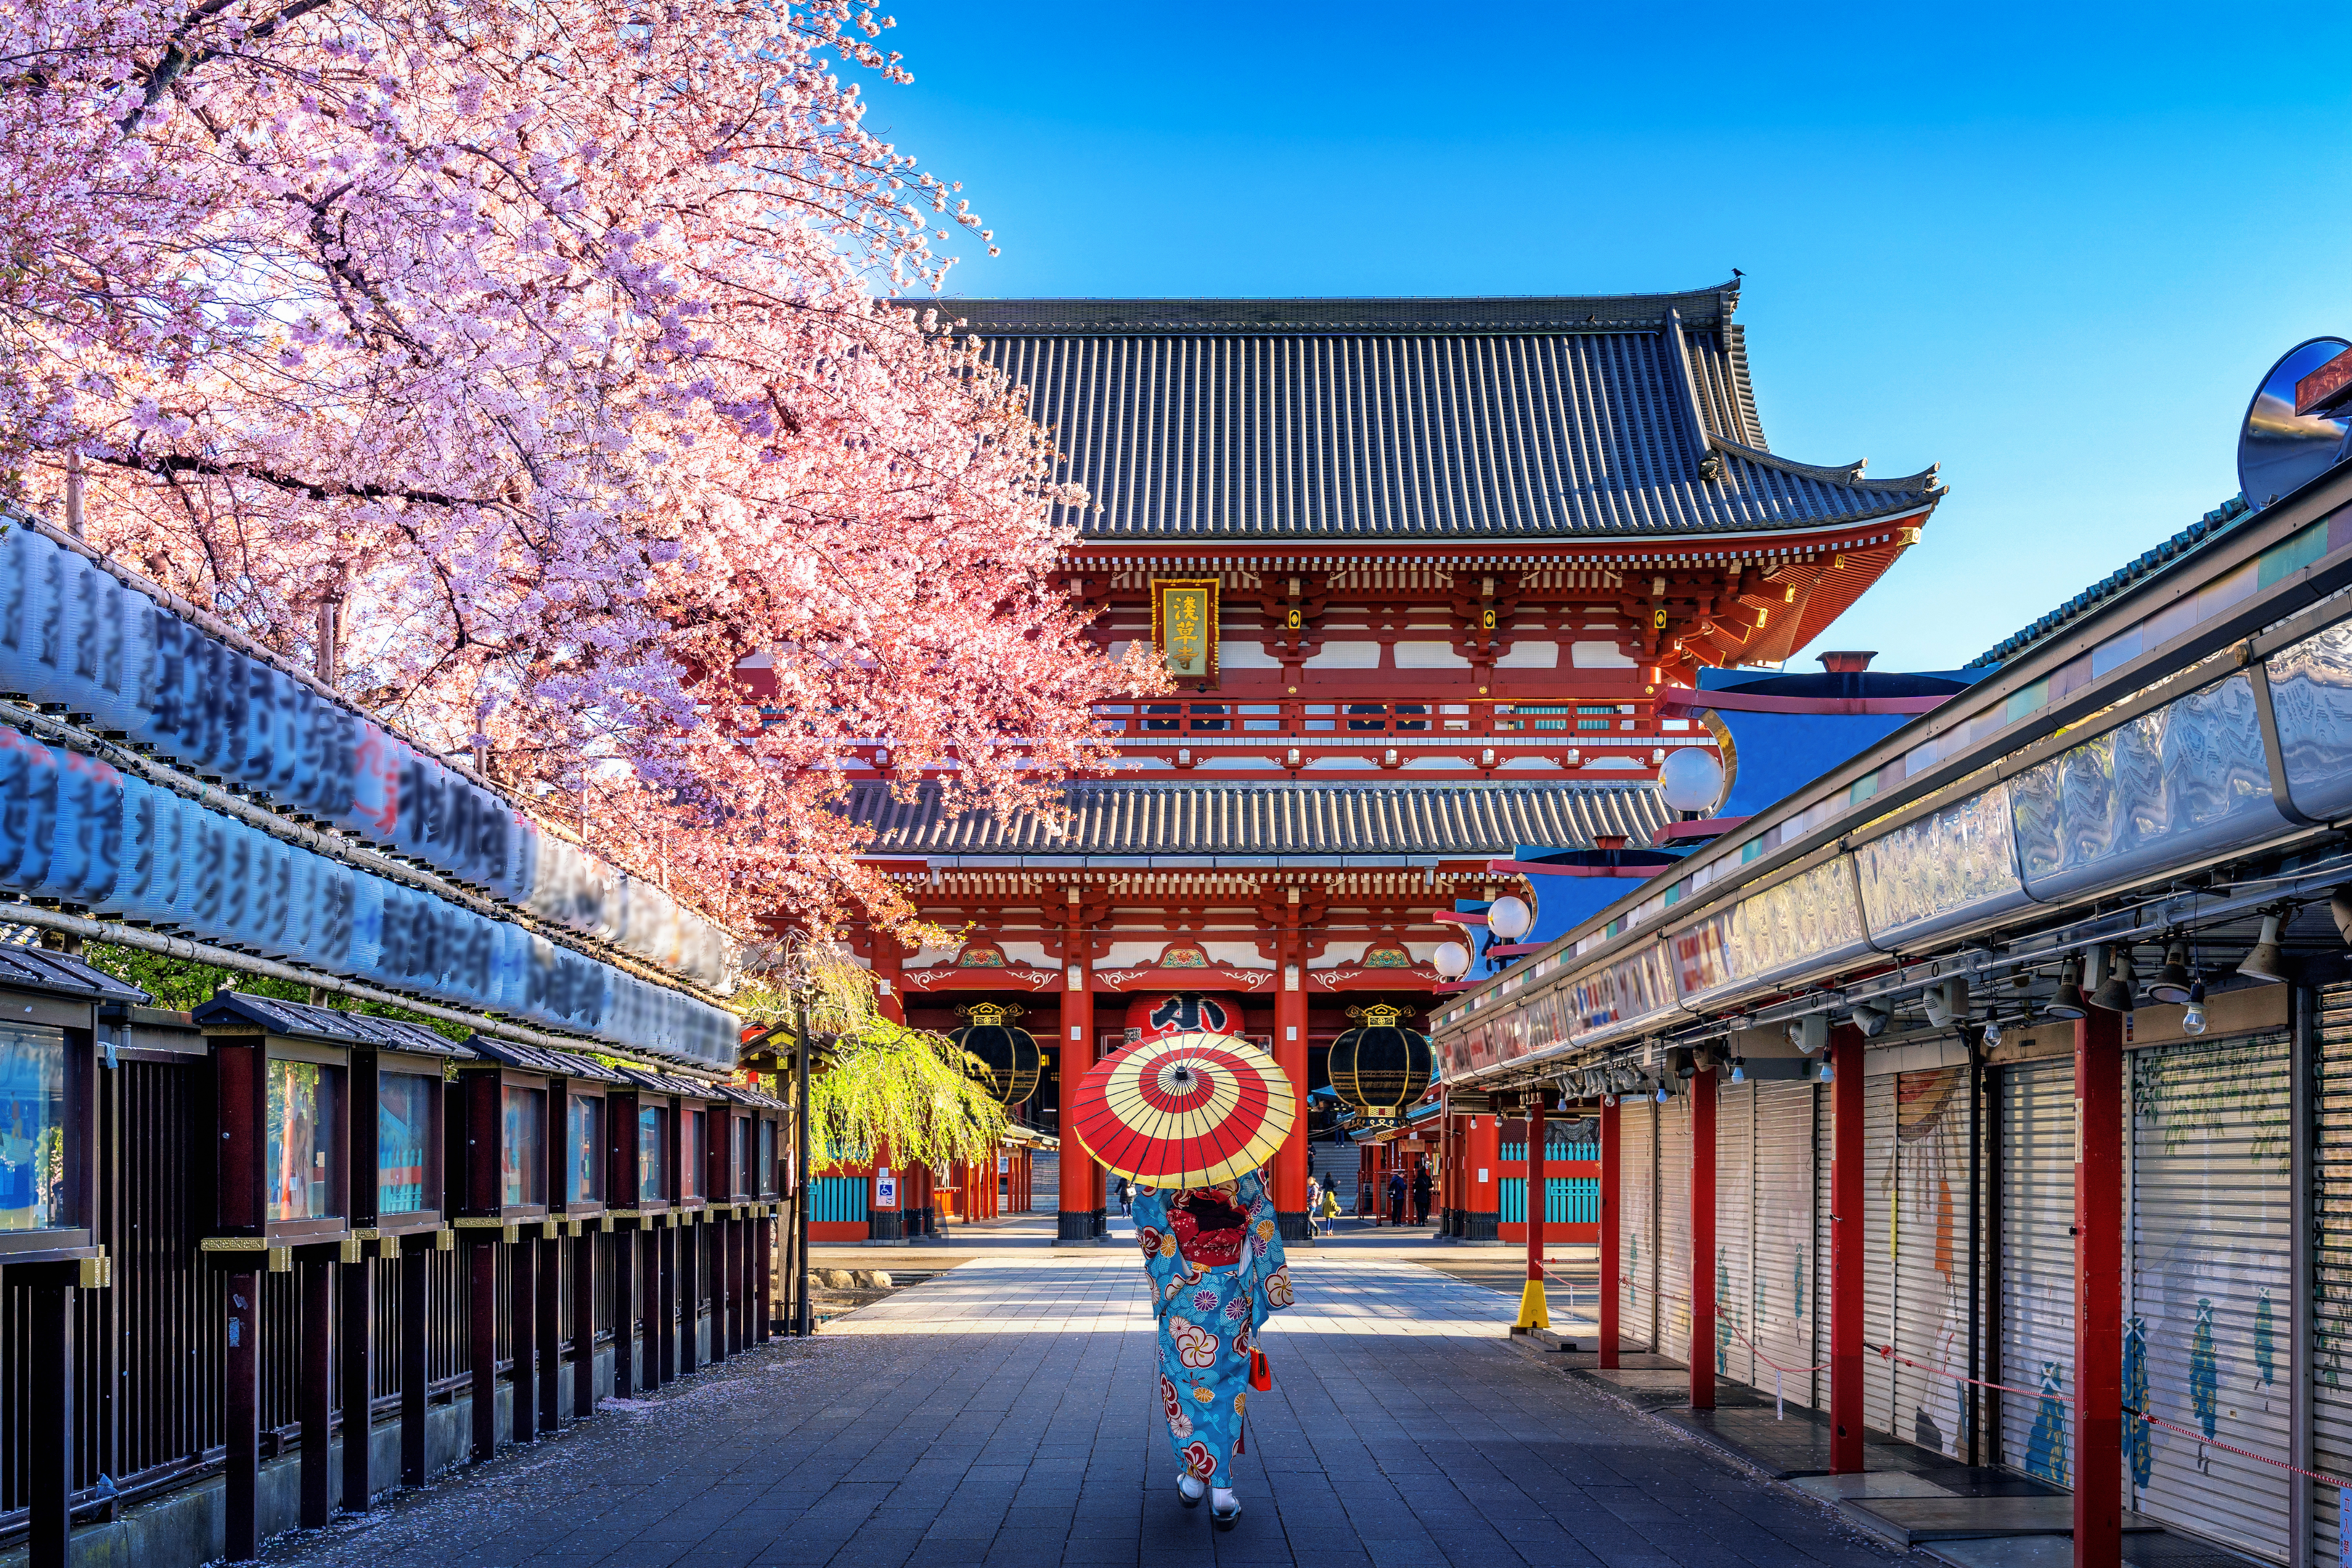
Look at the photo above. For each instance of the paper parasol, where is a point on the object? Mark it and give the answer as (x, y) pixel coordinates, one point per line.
(1183, 1110)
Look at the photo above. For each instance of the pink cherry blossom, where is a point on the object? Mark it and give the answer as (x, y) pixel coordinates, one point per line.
(546, 342)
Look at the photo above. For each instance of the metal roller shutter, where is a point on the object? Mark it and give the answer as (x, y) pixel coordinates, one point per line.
(1735, 1227)
(1783, 1323)
(1930, 1204)
(2331, 1274)
(1878, 1250)
(1637, 1208)
(2207, 1319)
(2037, 1266)
(1674, 1228)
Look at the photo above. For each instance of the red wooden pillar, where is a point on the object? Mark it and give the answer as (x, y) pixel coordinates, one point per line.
(1702, 1234)
(1847, 1252)
(2099, 1288)
(522, 1329)
(355, 1376)
(482, 1324)
(242, 1418)
(1483, 1153)
(1612, 1238)
(50, 1388)
(549, 1335)
(316, 1390)
(1082, 1179)
(583, 1325)
(415, 1284)
(1290, 1162)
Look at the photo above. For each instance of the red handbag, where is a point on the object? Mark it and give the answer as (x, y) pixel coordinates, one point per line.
(1261, 1376)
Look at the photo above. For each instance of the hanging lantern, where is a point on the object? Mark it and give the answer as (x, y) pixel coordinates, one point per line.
(1380, 1066)
(1010, 1060)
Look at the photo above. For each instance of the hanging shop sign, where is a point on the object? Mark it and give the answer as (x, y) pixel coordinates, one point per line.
(1184, 626)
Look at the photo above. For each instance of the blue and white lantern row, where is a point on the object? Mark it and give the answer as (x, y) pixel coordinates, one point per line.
(74, 829)
(76, 637)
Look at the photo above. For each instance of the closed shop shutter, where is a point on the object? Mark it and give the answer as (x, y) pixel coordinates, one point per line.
(1878, 1250)
(1824, 1147)
(2331, 1309)
(1673, 1227)
(2205, 1321)
(1637, 1209)
(2037, 1266)
(1734, 1255)
(1929, 1216)
(1045, 1180)
(1783, 1323)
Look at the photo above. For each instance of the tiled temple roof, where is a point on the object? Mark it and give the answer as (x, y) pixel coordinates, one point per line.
(1286, 820)
(1340, 420)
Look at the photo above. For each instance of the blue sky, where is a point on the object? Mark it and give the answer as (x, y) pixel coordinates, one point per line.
(2053, 248)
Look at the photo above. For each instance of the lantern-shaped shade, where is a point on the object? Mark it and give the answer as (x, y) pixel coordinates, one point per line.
(1010, 1061)
(1380, 1066)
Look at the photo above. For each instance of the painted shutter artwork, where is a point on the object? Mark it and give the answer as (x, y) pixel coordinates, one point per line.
(2037, 1268)
(1878, 1234)
(1637, 1209)
(1673, 1227)
(1782, 1322)
(2208, 1309)
(1931, 1214)
(1734, 1224)
(2331, 1308)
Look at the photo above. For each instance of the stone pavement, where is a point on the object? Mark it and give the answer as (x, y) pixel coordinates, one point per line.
(1004, 1414)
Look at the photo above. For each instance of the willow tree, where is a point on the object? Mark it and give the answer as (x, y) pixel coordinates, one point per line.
(874, 1083)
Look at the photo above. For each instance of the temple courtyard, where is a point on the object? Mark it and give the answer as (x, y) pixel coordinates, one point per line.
(1002, 1411)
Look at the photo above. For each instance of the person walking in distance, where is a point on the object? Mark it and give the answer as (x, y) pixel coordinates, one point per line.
(1364, 1205)
(1126, 1198)
(1396, 1197)
(1420, 1190)
(1329, 1210)
(1214, 1256)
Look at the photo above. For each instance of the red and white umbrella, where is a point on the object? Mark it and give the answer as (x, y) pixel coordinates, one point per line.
(1183, 1110)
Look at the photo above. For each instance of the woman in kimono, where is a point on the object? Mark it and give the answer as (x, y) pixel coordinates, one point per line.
(1214, 1255)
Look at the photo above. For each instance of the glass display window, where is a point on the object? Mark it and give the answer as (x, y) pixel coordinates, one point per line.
(404, 1114)
(34, 1130)
(653, 1153)
(584, 1143)
(302, 1158)
(691, 1148)
(766, 1184)
(522, 1147)
(739, 1155)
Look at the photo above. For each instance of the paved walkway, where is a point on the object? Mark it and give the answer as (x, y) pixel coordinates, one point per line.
(1003, 1413)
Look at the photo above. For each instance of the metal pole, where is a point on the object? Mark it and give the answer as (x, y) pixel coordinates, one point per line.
(802, 1325)
(1533, 1313)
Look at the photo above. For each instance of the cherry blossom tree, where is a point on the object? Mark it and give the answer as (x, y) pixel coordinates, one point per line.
(540, 342)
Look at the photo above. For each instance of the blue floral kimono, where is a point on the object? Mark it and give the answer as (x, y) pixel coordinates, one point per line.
(1214, 1255)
